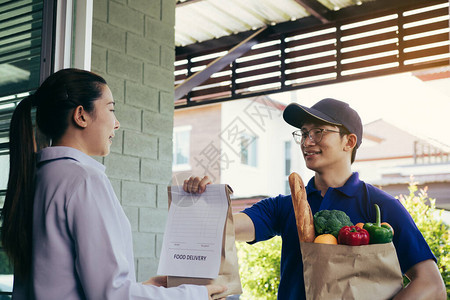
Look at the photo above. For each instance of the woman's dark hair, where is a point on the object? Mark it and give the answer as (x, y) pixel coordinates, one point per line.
(55, 99)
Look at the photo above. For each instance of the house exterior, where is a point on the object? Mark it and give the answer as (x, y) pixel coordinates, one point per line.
(247, 145)
(197, 149)
(391, 157)
(238, 143)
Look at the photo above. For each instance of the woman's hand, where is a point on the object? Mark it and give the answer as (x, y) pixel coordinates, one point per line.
(211, 288)
(215, 289)
(196, 184)
(157, 280)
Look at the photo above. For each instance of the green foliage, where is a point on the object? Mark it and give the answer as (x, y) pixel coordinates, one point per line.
(330, 221)
(428, 220)
(259, 268)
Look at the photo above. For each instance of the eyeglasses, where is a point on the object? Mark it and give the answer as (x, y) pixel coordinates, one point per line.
(314, 134)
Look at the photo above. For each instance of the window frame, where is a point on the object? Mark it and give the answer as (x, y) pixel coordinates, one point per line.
(176, 167)
(251, 148)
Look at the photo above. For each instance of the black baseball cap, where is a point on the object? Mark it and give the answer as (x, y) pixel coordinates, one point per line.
(327, 110)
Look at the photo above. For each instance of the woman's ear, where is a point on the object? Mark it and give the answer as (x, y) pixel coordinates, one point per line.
(351, 142)
(80, 117)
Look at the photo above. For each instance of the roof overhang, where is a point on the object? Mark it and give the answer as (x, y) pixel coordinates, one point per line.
(395, 21)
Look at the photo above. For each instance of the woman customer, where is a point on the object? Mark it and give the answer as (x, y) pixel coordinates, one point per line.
(63, 227)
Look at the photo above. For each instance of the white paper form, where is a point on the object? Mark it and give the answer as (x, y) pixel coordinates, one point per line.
(192, 241)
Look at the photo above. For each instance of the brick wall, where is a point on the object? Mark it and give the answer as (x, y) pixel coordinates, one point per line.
(133, 48)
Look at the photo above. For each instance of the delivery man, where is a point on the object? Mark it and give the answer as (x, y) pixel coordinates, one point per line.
(329, 133)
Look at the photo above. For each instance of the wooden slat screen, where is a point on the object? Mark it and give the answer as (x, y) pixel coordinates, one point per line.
(381, 44)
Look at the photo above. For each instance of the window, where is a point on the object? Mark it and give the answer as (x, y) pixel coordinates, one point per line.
(287, 158)
(20, 46)
(249, 150)
(26, 32)
(181, 148)
(287, 188)
(287, 165)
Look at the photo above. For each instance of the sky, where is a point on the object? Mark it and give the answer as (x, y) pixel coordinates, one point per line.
(421, 108)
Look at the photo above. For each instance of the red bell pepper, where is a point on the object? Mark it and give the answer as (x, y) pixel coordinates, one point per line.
(353, 236)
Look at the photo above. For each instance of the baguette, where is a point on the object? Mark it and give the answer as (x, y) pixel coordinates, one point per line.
(303, 215)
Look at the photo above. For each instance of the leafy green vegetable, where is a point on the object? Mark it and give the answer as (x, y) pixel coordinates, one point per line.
(330, 221)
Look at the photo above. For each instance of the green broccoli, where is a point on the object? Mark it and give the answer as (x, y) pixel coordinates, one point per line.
(330, 221)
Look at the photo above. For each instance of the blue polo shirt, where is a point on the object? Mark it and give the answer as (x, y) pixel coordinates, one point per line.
(275, 216)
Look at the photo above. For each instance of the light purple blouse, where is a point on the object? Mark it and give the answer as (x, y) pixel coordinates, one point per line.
(82, 243)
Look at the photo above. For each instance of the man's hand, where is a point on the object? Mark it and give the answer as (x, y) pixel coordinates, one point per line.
(426, 282)
(196, 184)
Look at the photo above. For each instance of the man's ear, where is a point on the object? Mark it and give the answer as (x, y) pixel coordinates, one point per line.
(351, 142)
(80, 117)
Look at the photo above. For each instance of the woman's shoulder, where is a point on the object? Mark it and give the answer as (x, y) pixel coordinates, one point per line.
(68, 173)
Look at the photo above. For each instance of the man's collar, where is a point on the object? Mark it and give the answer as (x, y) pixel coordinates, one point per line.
(349, 188)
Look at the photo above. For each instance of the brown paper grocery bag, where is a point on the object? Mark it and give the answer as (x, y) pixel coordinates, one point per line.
(351, 272)
(229, 268)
